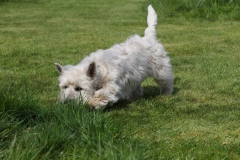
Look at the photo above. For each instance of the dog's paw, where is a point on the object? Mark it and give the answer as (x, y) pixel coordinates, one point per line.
(97, 104)
(98, 101)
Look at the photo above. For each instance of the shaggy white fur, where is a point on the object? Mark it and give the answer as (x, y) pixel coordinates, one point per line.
(105, 76)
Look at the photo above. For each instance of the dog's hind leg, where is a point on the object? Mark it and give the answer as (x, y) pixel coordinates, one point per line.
(165, 85)
(164, 78)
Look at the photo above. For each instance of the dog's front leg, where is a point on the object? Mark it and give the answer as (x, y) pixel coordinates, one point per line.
(102, 98)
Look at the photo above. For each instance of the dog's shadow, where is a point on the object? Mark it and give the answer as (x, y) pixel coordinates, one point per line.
(149, 92)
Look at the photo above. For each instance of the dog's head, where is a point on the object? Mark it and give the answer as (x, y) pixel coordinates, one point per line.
(76, 82)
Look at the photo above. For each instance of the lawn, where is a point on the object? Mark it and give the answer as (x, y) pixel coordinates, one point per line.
(199, 121)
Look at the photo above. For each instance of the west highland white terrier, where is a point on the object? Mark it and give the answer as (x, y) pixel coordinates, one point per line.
(106, 76)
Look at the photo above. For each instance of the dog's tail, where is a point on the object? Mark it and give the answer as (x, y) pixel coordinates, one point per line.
(152, 23)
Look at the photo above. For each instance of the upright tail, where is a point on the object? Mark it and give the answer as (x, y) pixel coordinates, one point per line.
(152, 23)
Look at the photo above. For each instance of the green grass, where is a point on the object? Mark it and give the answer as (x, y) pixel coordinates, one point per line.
(199, 121)
(204, 9)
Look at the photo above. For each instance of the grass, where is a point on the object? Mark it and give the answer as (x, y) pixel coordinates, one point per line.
(199, 121)
(204, 9)
(31, 131)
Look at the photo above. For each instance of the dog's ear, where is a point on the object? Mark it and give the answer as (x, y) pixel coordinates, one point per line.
(91, 70)
(59, 68)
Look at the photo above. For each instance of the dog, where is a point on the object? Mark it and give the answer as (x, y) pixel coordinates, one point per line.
(106, 76)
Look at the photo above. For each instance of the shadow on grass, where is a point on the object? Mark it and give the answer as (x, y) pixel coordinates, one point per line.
(149, 92)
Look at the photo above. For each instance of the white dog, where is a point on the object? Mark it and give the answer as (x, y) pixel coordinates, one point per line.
(106, 76)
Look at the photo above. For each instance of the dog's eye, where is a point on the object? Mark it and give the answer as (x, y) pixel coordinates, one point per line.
(65, 87)
(78, 89)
